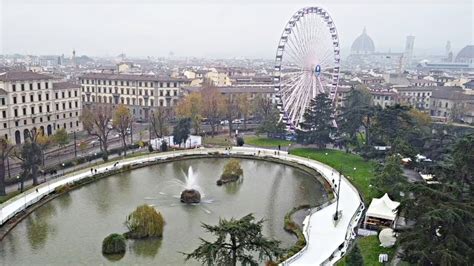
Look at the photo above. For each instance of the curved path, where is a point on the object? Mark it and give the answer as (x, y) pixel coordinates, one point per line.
(327, 242)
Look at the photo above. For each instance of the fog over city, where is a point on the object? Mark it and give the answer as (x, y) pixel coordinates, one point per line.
(220, 28)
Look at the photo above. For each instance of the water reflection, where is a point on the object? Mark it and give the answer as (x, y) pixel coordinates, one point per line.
(147, 248)
(39, 227)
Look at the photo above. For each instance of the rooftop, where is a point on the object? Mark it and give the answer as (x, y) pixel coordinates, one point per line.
(65, 85)
(129, 77)
(22, 76)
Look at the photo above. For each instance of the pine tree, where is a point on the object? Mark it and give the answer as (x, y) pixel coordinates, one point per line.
(317, 127)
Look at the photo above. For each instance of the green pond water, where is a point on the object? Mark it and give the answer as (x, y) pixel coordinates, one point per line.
(69, 230)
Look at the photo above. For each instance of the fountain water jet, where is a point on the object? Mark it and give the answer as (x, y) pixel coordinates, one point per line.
(190, 194)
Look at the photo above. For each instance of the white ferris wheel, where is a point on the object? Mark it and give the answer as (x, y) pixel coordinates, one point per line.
(307, 63)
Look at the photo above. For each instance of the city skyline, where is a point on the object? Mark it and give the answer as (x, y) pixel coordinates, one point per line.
(219, 29)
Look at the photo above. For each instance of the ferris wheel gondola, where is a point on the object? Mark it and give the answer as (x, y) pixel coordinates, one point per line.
(307, 63)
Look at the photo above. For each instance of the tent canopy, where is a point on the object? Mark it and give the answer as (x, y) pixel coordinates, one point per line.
(383, 208)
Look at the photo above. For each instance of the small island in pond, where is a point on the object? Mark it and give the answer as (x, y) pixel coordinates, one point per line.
(232, 172)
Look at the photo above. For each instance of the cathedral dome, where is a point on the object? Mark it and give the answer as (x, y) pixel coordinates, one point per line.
(363, 44)
(466, 55)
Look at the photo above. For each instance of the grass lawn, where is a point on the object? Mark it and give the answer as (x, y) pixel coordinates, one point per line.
(219, 140)
(345, 163)
(370, 249)
(266, 142)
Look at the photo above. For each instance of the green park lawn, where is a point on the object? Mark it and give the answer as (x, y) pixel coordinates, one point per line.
(345, 163)
(266, 142)
(370, 249)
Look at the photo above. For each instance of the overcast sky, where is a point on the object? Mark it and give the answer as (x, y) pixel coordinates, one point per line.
(220, 28)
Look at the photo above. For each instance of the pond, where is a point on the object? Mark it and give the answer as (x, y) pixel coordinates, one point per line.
(70, 229)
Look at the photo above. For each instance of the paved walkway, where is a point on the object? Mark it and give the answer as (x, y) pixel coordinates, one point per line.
(323, 236)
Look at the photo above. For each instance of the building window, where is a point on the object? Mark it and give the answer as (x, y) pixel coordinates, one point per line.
(32, 98)
(46, 84)
(13, 87)
(14, 100)
(31, 86)
(22, 87)
(47, 108)
(40, 109)
(39, 97)
(24, 111)
(16, 113)
(4, 114)
(39, 86)
(23, 99)
(3, 101)
(32, 110)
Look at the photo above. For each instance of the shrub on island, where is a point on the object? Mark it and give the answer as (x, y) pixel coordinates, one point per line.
(144, 222)
(113, 244)
(232, 172)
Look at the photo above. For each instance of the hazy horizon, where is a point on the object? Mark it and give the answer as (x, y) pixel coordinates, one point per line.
(220, 29)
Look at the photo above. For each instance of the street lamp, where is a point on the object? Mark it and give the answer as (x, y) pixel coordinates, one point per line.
(336, 215)
(64, 166)
(18, 181)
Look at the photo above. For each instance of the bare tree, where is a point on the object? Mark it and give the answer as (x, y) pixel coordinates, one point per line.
(159, 121)
(245, 106)
(212, 106)
(122, 124)
(231, 110)
(96, 120)
(5, 150)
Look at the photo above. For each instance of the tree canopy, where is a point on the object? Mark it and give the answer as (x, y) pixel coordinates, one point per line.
(317, 127)
(181, 130)
(237, 240)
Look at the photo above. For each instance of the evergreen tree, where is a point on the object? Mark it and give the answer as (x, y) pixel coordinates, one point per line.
(389, 177)
(181, 130)
(355, 114)
(317, 127)
(236, 241)
(443, 213)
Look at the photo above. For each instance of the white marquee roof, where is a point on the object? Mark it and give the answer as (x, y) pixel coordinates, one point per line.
(383, 208)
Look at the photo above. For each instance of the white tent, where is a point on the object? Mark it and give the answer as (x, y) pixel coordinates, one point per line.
(383, 208)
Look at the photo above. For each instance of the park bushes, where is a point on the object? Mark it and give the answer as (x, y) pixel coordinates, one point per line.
(232, 172)
(114, 244)
(144, 222)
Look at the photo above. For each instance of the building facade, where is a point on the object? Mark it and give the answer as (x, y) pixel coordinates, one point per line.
(452, 104)
(417, 97)
(32, 102)
(140, 93)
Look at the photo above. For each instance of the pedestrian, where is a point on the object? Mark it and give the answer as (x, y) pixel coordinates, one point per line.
(36, 190)
(92, 170)
(95, 171)
(279, 147)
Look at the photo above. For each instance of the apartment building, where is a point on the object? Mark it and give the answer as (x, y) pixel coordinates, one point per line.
(414, 96)
(141, 93)
(33, 102)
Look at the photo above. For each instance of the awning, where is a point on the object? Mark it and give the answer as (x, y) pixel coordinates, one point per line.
(383, 208)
